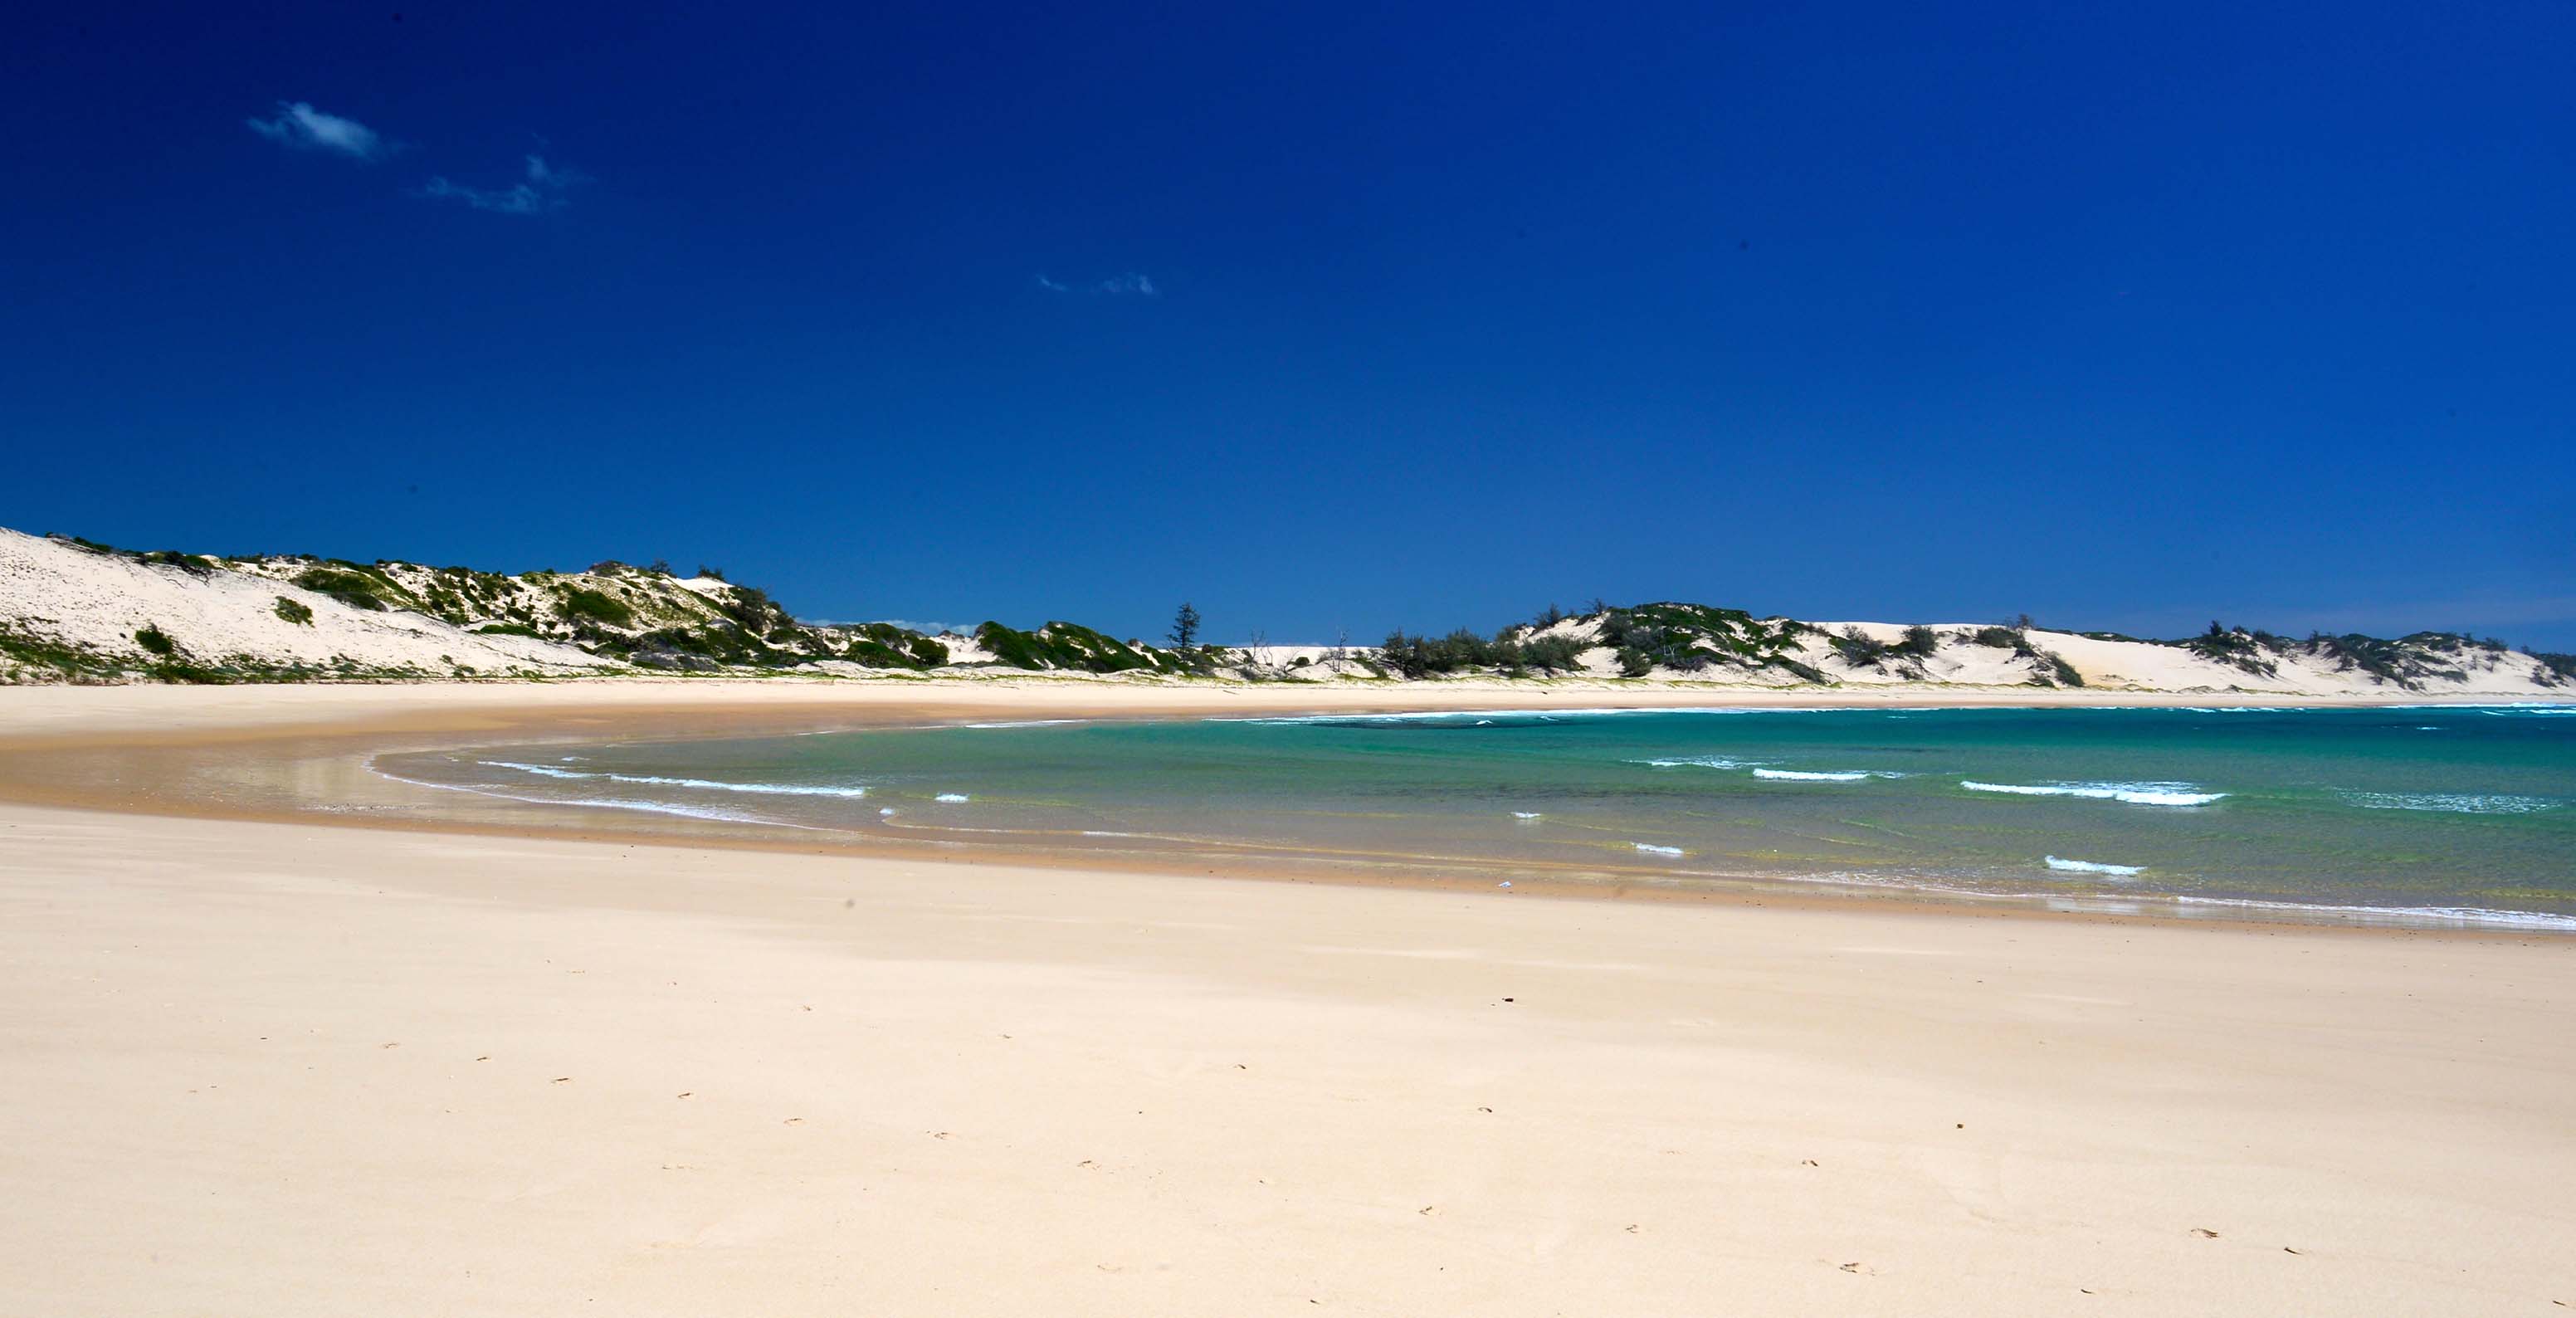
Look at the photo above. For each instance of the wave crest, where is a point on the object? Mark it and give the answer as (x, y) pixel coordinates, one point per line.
(2131, 793)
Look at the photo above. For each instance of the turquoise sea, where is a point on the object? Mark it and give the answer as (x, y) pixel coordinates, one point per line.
(2427, 815)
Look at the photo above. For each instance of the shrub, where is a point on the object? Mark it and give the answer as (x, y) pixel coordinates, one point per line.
(1859, 650)
(294, 611)
(157, 641)
(355, 589)
(1804, 672)
(595, 606)
(1070, 645)
(876, 654)
(194, 564)
(1421, 656)
(754, 611)
(1553, 654)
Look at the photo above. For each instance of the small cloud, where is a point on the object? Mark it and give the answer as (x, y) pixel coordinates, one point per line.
(1129, 284)
(304, 128)
(539, 191)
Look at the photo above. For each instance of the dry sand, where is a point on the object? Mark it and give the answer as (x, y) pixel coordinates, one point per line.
(265, 1069)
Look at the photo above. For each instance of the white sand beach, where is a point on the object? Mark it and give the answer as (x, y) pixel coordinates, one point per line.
(278, 1068)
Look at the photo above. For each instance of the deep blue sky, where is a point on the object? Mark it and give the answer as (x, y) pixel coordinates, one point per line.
(1861, 311)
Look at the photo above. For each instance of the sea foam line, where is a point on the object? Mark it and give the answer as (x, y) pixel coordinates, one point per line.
(1607, 711)
(2132, 793)
(706, 784)
(602, 802)
(1824, 776)
(2092, 867)
(2469, 915)
(2453, 803)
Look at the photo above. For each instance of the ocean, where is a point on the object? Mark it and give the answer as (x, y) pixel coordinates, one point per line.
(2437, 816)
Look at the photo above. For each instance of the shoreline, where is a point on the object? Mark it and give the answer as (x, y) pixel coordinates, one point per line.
(338, 728)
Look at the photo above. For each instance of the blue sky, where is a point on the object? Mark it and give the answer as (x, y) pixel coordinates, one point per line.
(1325, 318)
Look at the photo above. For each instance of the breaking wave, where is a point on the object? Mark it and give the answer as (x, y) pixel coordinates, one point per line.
(2093, 867)
(1823, 776)
(2132, 793)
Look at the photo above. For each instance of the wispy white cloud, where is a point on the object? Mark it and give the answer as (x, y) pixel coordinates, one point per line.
(539, 191)
(301, 126)
(1126, 285)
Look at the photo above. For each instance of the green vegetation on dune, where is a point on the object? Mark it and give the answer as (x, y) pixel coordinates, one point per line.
(1692, 638)
(646, 617)
(580, 604)
(1073, 646)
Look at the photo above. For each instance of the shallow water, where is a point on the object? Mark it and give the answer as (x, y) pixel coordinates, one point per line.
(2428, 815)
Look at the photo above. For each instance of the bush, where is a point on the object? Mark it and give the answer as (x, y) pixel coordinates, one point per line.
(1422, 656)
(1553, 654)
(355, 589)
(1070, 645)
(155, 640)
(595, 606)
(876, 654)
(294, 611)
(1860, 650)
(754, 611)
(1804, 672)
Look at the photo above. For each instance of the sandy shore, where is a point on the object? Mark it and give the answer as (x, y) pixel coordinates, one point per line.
(271, 1068)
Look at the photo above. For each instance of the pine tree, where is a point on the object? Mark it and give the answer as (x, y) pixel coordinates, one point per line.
(1185, 627)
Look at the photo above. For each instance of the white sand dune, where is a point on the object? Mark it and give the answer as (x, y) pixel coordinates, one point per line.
(225, 613)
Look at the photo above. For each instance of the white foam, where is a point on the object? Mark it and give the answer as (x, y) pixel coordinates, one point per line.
(1652, 850)
(2132, 793)
(701, 784)
(1821, 776)
(2454, 803)
(1548, 715)
(1700, 762)
(1525, 814)
(2411, 915)
(953, 798)
(2092, 867)
(603, 803)
(1026, 723)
